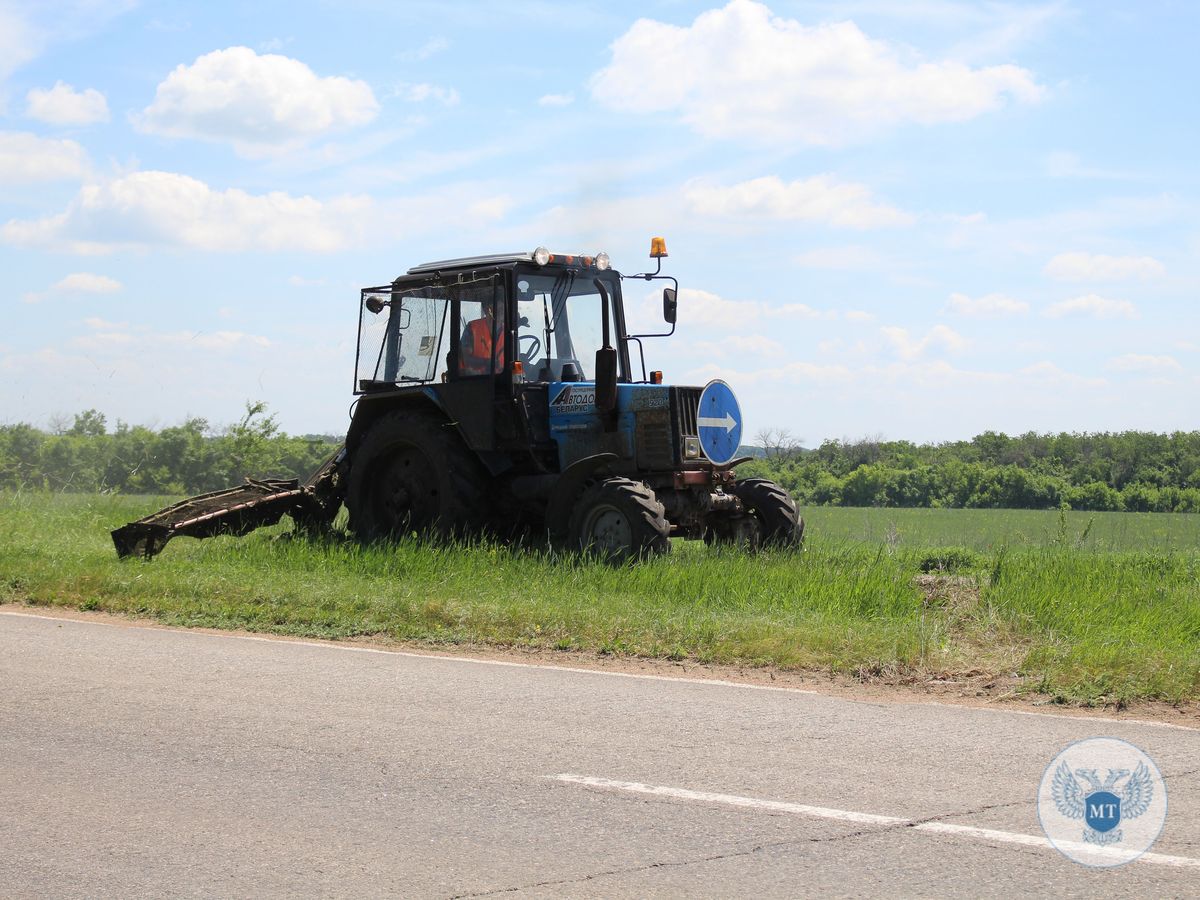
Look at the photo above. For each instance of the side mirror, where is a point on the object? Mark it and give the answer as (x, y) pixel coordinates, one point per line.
(669, 305)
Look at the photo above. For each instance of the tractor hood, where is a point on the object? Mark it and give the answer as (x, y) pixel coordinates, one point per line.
(655, 425)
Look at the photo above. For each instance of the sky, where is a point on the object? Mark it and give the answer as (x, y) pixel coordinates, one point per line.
(911, 220)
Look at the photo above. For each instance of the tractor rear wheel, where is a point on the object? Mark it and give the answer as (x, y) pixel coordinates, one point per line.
(413, 472)
(619, 519)
(780, 524)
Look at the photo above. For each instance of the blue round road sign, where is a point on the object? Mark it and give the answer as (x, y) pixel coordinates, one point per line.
(719, 421)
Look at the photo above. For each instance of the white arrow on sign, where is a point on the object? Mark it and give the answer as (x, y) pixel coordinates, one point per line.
(728, 423)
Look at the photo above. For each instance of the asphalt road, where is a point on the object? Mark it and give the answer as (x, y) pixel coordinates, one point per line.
(137, 762)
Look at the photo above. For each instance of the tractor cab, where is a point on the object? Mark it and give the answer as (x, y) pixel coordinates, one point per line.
(500, 342)
(518, 318)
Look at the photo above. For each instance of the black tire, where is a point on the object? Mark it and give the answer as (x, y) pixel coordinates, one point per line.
(413, 473)
(780, 523)
(619, 519)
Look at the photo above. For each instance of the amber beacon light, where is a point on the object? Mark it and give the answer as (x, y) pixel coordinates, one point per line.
(658, 247)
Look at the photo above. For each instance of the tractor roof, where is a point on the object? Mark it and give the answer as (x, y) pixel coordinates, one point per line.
(541, 256)
(470, 261)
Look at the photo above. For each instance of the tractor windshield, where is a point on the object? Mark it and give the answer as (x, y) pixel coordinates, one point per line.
(559, 323)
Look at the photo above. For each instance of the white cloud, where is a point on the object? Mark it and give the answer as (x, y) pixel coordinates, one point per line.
(988, 306)
(107, 336)
(155, 208)
(556, 100)
(63, 105)
(97, 324)
(490, 209)
(741, 72)
(818, 199)
(1006, 26)
(88, 283)
(1092, 305)
(699, 307)
(910, 348)
(20, 42)
(77, 283)
(148, 209)
(706, 308)
(430, 48)
(741, 345)
(858, 315)
(260, 103)
(419, 93)
(1047, 374)
(1145, 364)
(1064, 164)
(848, 258)
(1098, 267)
(903, 376)
(797, 311)
(25, 157)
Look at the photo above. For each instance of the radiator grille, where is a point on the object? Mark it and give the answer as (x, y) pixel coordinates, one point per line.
(655, 449)
(685, 402)
(685, 406)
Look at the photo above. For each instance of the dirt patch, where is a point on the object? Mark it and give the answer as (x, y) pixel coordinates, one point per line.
(957, 592)
(968, 688)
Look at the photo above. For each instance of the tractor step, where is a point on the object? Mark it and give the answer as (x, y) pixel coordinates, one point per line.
(232, 511)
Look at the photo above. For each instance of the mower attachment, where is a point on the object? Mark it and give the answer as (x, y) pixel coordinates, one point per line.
(232, 511)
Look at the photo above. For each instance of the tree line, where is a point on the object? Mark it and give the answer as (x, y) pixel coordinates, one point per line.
(190, 458)
(1131, 470)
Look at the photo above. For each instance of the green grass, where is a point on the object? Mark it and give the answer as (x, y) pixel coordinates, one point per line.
(1110, 617)
(989, 529)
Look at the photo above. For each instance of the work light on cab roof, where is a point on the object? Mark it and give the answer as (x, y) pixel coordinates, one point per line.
(544, 257)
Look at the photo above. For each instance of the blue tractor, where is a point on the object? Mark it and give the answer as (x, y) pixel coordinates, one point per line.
(504, 394)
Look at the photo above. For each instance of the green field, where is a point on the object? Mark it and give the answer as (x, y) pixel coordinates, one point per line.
(987, 530)
(1085, 608)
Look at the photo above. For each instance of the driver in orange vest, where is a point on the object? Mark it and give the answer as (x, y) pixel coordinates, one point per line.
(475, 345)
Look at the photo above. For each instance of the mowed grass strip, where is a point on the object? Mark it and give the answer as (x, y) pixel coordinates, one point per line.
(1075, 623)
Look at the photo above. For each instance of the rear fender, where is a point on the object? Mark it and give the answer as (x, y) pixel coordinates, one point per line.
(370, 407)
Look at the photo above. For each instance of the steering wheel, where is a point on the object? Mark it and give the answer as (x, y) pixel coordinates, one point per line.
(526, 354)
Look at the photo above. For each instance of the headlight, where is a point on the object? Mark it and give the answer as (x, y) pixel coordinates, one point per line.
(541, 256)
(602, 261)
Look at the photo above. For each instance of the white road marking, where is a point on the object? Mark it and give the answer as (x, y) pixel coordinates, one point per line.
(642, 676)
(799, 809)
(990, 835)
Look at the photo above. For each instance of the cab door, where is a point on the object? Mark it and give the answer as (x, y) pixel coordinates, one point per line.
(475, 381)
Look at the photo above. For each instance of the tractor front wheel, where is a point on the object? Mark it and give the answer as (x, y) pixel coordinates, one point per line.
(619, 519)
(779, 522)
(413, 472)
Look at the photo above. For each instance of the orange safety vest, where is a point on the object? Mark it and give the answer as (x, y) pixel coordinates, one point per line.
(477, 348)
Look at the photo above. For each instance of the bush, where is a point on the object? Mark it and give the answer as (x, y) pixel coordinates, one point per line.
(1096, 497)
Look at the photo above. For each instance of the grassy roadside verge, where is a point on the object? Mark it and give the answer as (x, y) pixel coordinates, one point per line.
(1077, 624)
